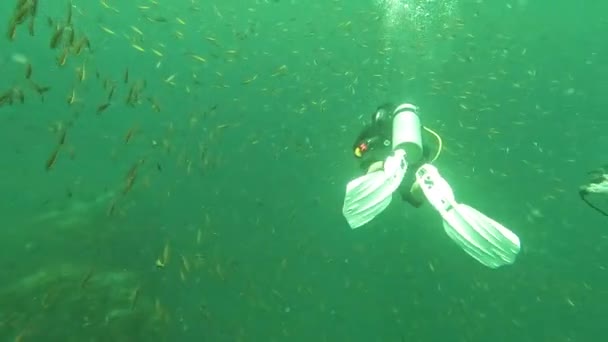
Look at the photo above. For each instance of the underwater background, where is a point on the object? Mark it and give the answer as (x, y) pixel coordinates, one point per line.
(175, 170)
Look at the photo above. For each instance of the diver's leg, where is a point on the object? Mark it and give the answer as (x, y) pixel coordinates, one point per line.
(377, 166)
(413, 195)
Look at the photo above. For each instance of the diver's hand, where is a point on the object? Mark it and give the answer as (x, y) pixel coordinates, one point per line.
(395, 164)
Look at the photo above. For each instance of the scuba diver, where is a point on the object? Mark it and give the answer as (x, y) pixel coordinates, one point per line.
(597, 188)
(374, 144)
(391, 145)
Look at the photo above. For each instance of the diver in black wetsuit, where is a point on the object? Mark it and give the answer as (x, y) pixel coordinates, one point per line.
(395, 157)
(374, 144)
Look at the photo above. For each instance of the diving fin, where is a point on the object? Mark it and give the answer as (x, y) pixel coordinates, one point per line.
(594, 193)
(484, 239)
(368, 195)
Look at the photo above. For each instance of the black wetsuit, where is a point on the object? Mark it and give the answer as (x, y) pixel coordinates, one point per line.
(374, 144)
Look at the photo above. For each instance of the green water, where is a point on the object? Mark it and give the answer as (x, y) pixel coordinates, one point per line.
(204, 203)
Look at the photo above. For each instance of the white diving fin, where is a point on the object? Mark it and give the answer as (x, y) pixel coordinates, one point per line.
(368, 195)
(598, 186)
(595, 192)
(484, 239)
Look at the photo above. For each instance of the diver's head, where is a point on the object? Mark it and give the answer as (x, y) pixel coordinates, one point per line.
(383, 113)
(375, 138)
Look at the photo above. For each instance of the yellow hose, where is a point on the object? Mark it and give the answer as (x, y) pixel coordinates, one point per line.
(439, 142)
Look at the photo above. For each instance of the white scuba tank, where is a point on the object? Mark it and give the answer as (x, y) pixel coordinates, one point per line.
(407, 133)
